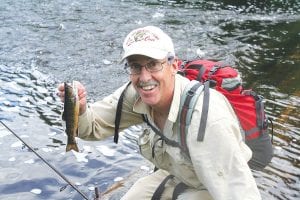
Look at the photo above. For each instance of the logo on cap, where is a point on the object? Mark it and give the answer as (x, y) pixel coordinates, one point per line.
(141, 35)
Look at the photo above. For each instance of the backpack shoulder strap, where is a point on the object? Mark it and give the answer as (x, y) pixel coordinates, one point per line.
(187, 105)
(204, 113)
(119, 113)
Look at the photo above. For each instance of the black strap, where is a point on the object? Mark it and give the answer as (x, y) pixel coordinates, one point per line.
(158, 132)
(179, 189)
(213, 70)
(153, 148)
(260, 121)
(119, 113)
(204, 114)
(160, 189)
(201, 70)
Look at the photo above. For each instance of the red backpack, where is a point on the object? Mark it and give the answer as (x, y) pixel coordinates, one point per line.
(248, 106)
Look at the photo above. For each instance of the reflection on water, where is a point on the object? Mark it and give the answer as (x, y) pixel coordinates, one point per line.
(43, 43)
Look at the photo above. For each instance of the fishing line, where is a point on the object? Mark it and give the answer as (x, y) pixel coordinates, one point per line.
(52, 167)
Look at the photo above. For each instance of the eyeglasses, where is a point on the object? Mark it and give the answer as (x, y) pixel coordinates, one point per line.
(136, 68)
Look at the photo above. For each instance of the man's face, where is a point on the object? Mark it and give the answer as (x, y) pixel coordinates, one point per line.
(155, 88)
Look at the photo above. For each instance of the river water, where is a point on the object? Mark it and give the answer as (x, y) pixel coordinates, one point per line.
(43, 43)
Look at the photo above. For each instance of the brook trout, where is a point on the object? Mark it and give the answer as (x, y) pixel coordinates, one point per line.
(70, 115)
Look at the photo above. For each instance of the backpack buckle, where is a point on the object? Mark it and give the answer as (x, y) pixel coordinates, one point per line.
(191, 93)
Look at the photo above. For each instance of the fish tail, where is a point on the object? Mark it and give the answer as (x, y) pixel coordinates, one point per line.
(72, 147)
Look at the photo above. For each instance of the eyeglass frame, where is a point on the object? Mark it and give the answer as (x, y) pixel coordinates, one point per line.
(127, 67)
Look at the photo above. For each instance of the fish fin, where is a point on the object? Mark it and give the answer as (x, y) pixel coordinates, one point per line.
(77, 132)
(72, 147)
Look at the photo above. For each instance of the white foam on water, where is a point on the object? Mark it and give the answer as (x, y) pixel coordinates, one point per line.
(14, 86)
(87, 148)
(6, 103)
(91, 188)
(77, 183)
(36, 191)
(11, 109)
(12, 159)
(30, 161)
(17, 144)
(106, 150)
(45, 149)
(4, 133)
(145, 168)
(106, 62)
(42, 90)
(138, 22)
(125, 141)
(158, 15)
(278, 148)
(80, 157)
(52, 133)
(49, 99)
(118, 179)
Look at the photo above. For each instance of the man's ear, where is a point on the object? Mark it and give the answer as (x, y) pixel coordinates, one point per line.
(174, 65)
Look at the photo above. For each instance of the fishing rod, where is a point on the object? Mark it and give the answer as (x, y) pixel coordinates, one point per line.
(52, 167)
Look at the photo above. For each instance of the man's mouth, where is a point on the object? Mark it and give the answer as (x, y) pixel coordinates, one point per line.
(148, 85)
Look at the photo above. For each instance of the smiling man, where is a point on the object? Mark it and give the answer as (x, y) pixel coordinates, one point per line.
(216, 168)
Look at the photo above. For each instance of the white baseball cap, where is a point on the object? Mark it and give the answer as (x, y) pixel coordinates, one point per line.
(149, 41)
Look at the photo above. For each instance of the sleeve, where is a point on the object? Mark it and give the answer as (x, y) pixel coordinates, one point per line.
(220, 160)
(98, 122)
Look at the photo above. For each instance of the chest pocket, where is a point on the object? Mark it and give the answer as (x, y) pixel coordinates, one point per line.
(153, 148)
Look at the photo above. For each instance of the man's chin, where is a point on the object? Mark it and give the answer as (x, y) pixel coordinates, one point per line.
(149, 101)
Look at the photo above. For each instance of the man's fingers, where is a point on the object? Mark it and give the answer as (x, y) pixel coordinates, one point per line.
(82, 95)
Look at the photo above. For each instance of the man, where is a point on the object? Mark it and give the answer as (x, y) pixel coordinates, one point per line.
(216, 168)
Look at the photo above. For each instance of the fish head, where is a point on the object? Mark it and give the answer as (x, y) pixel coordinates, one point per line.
(75, 90)
(71, 91)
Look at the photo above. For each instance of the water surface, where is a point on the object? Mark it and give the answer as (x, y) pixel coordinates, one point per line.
(43, 43)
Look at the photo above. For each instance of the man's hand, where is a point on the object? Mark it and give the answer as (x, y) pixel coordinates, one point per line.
(81, 95)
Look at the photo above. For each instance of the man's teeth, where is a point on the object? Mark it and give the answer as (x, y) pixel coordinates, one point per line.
(149, 87)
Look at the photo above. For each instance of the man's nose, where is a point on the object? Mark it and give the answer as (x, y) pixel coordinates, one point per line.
(145, 75)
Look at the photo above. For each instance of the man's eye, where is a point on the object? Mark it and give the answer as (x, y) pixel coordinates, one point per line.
(151, 64)
(135, 66)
